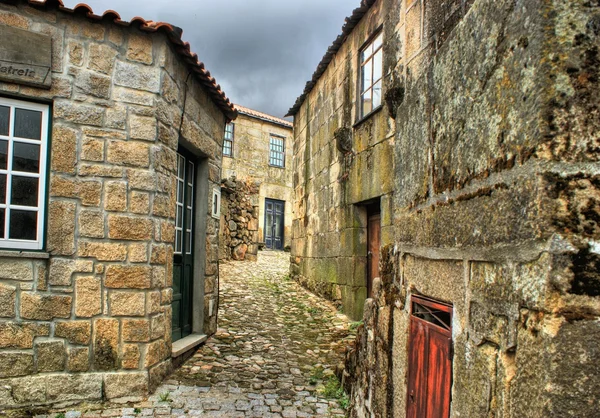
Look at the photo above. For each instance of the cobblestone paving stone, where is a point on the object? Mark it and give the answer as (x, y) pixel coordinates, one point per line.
(276, 347)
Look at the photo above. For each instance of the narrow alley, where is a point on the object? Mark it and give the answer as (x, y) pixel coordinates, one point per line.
(274, 354)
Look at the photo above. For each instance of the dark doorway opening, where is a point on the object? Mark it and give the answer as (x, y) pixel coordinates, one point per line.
(274, 223)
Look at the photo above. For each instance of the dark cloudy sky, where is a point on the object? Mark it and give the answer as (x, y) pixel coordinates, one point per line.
(262, 52)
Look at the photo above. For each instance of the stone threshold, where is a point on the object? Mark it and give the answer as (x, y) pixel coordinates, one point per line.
(185, 344)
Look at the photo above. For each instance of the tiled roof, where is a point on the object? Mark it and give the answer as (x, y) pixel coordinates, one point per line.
(173, 34)
(256, 114)
(349, 25)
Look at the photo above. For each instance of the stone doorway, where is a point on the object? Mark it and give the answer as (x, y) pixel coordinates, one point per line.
(189, 257)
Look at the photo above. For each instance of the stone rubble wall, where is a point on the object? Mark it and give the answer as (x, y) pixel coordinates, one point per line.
(494, 208)
(90, 319)
(239, 220)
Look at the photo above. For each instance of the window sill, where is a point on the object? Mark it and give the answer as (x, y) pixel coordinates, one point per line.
(368, 116)
(186, 344)
(277, 166)
(24, 254)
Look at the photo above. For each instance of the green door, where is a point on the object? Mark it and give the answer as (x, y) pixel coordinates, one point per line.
(184, 247)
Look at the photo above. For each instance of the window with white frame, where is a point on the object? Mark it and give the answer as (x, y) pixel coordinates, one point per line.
(23, 150)
(228, 140)
(371, 74)
(277, 151)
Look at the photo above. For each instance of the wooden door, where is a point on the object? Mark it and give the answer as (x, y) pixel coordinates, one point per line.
(183, 259)
(373, 246)
(274, 218)
(430, 359)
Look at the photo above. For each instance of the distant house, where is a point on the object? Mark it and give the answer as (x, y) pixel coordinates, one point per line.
(257, 151)
(110, 158)
(447, 193)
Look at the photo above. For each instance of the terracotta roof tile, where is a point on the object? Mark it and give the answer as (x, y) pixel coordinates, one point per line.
(173, 34)
(350, 23)
(256, 114)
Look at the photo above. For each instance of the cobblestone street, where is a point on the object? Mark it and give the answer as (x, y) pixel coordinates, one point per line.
(274, 354)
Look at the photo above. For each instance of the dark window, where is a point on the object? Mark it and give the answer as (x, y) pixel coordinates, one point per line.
(228, 140)
(276, 151)
(371, 73)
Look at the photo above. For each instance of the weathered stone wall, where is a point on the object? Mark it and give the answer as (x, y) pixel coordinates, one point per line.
(91, 317)
(332, 181)
(250, 161)
(495, 202)
(239, 220)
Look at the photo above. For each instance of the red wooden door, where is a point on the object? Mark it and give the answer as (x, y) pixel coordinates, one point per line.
(430, 359)
(373, 245)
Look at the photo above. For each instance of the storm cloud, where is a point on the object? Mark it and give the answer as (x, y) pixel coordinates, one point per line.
(261, 52)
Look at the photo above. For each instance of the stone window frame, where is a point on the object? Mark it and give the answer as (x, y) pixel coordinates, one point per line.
(373, 46)
(276, 156)
(41, 175)
(228, 140)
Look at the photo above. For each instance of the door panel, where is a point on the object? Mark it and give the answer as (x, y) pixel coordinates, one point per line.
(183, 258)
(373, 246)
(438, 377)
(274, 223)
(430, 359)
(417, 369)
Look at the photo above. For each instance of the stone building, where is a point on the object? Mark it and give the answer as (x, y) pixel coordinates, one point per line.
(258, 149)
(452, 148)
(110, 159)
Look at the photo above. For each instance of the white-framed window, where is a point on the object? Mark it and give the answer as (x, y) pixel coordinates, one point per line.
(277, 151)
(228, 140)
(23, 155)
(371, 74)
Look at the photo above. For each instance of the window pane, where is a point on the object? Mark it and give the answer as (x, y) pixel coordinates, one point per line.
(377, 65)
(26, 157)
(2, 221)
(180, 166)
(188, 197)
(268, 225)
(179, 219)
(4, 120)
(377, 94)
(179, 191)
(28, 124)
(378, 41)
(367, 103)
(367, 79)
(23, 225)
(177, 241)
(24, 191)
(3, 154)
(3, 188)
(227, 148)
(367, 52)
